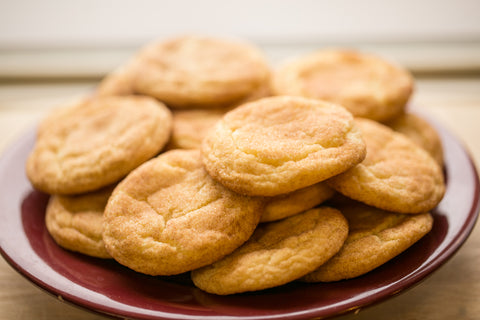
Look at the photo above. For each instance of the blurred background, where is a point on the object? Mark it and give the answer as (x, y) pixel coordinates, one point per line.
(85, 39)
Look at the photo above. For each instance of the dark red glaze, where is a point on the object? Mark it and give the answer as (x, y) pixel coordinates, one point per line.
(106, 287)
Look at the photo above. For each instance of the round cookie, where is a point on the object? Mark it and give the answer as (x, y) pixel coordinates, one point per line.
(58, 113)
(396, 175)
(277, 145)
(119, 82)
(298, 201)
(277, 253)
(200, 72)
(76, 222)
(421, 132)
(375, 237)
(96, 143)
(368, 86)
(190, 126)
(169, 216)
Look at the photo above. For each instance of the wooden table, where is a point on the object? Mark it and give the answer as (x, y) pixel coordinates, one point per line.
(453, 292)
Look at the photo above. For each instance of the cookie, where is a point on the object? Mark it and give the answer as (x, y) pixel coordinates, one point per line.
(277, 145)
(375, 237)
(192, 125)
(367, 85)
(277, 253)
(96, 143)
(76, 222)
(396, 175)
(58, 113)
(298, 201)
(200, 72)
(169, 216)
(421, 132)
(119, 82)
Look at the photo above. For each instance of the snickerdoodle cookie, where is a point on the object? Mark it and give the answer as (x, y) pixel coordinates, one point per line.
(375, 237)
(421, 132)
(97, 142)
(300, 200)
(396, 175)
(368, 86)
(119, 82)
(190, 126)
(277, 253)
(169, 216)
(76, 222)
(277, 145)
(200, 72)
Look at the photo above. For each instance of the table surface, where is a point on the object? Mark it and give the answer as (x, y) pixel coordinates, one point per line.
(452, 292)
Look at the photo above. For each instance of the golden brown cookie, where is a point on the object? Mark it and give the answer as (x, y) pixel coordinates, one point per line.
(97, 142)
(169, 216)
(368, 86)
(277, 145)
(119, 82)
(375, 237)
(76, 222)
(60, 111)
(192, 125)
(200, 72)
(396, 175)
(277, 253)
(421, 132)
(295, 202)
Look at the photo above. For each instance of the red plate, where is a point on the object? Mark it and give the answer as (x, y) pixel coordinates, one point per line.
(109, 288)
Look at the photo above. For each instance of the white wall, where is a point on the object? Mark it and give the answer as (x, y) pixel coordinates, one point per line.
(101, 23)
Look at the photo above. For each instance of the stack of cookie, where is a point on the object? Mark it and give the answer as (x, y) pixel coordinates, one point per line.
(195, 156)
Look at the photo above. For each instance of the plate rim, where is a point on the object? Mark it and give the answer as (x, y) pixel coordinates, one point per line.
(407, 283)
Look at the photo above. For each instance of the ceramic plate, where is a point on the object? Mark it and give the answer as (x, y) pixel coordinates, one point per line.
(108, 288)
